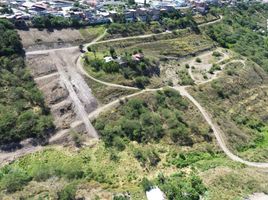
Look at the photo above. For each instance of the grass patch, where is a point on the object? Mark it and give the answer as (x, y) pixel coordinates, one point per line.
(106, 94)
(181, 44)
(90, 33)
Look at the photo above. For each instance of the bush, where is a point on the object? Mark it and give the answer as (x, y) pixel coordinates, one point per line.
(146, 184)
(120, 197)
(14, 181)
(198, 60)
(216, 54)
(141, 81)
(214, 68)
(68, 192)
(182, 187)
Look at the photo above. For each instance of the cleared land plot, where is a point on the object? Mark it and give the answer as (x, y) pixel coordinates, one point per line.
(35, 39)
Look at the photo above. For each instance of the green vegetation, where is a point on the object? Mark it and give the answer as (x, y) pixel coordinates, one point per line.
(168, 21)
(51, 21)
(243, 33)
(5, 10)
(90, 33)
(185, 78)
(216, 54)
(178, 186)
(198, 60)
(215, 67)
(182, 187)
(147, 120)
(180, 43)
(23, 113)
(239, 110)
(134, 67)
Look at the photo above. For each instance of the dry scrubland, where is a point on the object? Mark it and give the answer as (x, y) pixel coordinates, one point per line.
(175, 46)
(107, 171)
(179, 44)
(238, 102)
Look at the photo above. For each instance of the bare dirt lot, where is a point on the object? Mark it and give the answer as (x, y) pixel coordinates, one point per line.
(35, 39)
(65, 90)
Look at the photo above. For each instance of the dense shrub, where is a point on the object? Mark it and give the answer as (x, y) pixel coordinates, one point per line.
(23, 113)
(139, 121)
(182, 187)
(138, 70)
(242, 32)
(51, 21)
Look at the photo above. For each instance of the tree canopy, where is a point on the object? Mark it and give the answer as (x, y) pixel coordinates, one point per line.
(23, 113)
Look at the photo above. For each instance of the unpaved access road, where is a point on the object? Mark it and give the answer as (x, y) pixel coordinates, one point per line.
(217, 131)
(78, 90)
(93, 115)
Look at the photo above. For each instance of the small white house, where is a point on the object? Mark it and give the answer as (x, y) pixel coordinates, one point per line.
(155, 194)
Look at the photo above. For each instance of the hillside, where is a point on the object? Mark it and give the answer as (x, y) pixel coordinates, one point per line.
(243, 29)
(23, 113)
(238, 102)
(195, 124)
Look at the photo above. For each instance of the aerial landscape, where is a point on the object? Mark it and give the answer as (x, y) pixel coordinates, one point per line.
(133, 100)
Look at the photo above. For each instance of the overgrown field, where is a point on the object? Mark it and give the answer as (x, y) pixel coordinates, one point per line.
(238, 103)
(178, 43)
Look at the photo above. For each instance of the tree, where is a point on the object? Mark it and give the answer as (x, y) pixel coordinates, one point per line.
(146, 184)
(113, 53)
(182, 187)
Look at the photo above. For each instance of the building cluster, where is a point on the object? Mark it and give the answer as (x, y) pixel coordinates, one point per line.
(98, 11)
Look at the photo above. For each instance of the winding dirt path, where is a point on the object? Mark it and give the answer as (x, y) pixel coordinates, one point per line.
(182, 89)
(217, 131)
(83, 71)
(93, 115)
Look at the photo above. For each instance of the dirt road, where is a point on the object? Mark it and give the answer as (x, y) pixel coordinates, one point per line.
(75, 85)
(96, 41)
(217, 131)
(93, 115)
(83, 71)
